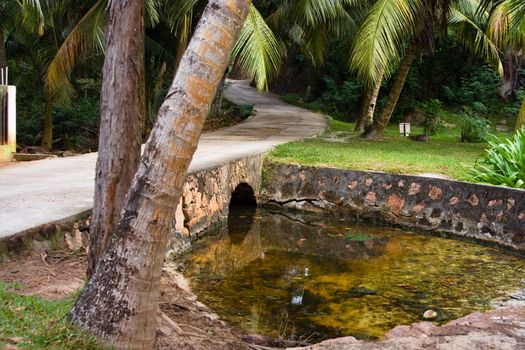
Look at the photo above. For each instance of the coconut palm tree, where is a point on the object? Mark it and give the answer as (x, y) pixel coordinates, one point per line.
(273, 26)
(25, 14)
(507, 30)
(119, 303)
(404, 29)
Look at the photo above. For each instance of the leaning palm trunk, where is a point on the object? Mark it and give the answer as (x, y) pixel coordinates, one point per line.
(367, 118)
(119, 303)
(509, 80)
(520, 122)
(377, 129)
(121, 112)
(361, 121)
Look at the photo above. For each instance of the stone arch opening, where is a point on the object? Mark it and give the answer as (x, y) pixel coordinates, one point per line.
(243, 196)
(242, 211)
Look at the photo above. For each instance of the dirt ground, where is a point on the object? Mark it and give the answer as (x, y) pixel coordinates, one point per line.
(182, 323)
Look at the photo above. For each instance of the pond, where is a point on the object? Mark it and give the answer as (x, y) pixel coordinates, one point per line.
(295, 277)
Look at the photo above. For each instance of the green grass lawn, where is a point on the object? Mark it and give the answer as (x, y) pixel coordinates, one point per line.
(29, 322)
(341, 147)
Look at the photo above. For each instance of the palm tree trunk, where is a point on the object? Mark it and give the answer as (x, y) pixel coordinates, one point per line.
(3, 56)
(520, 122)
(361, 121)
(119, 303)
(510, 74)
(377, 129)
(121, 114)
(367, 118)
(47, 133)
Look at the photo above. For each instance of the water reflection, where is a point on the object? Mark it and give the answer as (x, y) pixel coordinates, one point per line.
(240, 223)
(292, 277)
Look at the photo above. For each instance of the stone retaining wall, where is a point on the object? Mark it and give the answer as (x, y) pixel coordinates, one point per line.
(488, 213)
(204, 203)
(206, 197)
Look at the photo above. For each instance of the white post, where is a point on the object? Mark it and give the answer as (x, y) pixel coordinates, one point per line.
(11, 116)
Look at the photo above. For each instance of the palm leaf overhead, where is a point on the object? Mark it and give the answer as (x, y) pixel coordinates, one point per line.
(463, 17)
(86, 36)
(504, 29)
(315, 12)
(32, 16)
(177, 12)
(381, 38)
(257, 51)
(517, 9)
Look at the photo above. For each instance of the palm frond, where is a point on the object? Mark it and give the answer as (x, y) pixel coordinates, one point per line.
(474, 38)
(257, 51)
(501, 29)
(498, 26)
(86, 36)
(517, 10)
(152, 12)
(176, 13)
(32, 16)
(380, 40)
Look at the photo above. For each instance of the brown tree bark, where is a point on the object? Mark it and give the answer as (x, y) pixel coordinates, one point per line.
(377, 129)
(366, 119)
(509, 78)
(119, 303)
(361, 120)
(47, 133)
(121, 114)
(3, 56)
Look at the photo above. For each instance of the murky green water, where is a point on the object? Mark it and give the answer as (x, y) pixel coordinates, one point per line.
(300, 278)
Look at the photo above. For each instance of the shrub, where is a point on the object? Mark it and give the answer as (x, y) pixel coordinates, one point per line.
(246, 111)
(293, 99)
(504, 161)
(480, 107)
(432, 123)
(338, 99)
(473, 129)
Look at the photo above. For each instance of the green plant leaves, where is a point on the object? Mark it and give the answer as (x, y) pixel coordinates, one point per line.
(504, 161)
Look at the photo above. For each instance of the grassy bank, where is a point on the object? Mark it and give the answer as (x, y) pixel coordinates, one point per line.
(341, 147)
(30, 322)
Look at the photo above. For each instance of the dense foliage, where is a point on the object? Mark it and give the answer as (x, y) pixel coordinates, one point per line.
(450, 76)
(468, 73)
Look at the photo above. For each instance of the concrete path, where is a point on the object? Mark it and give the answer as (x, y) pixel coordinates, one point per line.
(40, 192)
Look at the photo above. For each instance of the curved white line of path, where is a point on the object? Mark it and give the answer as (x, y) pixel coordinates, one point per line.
(40, 192)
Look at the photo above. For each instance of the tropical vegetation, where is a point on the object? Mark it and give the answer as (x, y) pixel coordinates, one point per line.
(503, 162)
(343, 57)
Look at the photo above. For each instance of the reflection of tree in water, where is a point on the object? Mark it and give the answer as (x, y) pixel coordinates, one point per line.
(240, 221)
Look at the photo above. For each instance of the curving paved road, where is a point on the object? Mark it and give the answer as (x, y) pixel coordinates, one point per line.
(40, 192)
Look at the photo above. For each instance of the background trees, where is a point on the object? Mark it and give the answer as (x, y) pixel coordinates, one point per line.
(314, 48)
